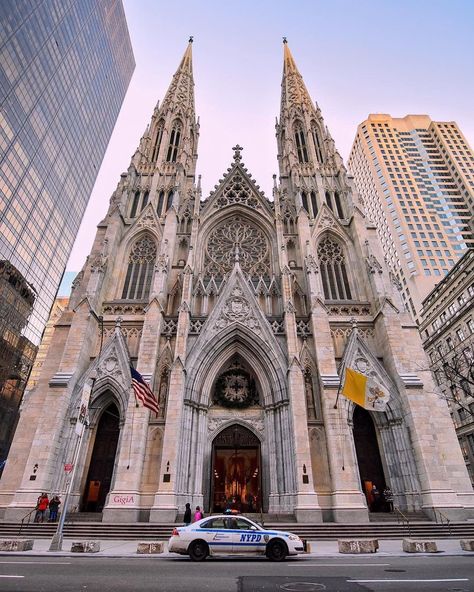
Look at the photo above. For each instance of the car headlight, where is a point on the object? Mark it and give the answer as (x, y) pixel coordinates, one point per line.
(293, 537)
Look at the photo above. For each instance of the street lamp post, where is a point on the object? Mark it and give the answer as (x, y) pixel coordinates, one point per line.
(57, 540)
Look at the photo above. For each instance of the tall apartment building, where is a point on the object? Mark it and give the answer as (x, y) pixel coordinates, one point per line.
(64, 71)
(415, 179)
(447, 331)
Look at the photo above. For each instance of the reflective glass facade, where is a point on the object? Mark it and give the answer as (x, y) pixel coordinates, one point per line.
(64, 70)
(65, 66)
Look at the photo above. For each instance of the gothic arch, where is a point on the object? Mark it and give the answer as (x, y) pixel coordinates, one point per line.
(236, 339)
(334, 265)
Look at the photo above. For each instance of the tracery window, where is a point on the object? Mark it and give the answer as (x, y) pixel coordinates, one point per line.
(173, 146)
(333, 270)
(140, 269)
(237, 238)
(301, 143)
(318, 145)
(159, 136)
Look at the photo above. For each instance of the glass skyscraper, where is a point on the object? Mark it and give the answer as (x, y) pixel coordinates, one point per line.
(65, 66)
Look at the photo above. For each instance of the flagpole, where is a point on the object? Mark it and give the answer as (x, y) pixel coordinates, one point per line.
(340, 385)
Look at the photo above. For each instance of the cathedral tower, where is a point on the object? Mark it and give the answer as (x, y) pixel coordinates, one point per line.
(242, 313)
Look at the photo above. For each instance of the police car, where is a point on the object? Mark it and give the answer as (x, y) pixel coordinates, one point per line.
(232, 535)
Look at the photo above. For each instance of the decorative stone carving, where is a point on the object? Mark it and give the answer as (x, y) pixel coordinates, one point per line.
(170, 327)
(311, 264)
(98, 263)
(349, 310)
(303, 328)
(253, 250)
(327, 221)
(395, 281)
(77, 280)
(110, 308)
(110, 366)
(373, 266)
(237, 191)
(162, 263)
(144, 250)
(237, 310)
(147, 220)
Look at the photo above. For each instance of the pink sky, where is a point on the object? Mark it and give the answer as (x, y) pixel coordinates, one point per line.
(356, 58)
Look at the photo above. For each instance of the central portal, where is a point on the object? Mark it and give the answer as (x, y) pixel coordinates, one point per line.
(236, 471)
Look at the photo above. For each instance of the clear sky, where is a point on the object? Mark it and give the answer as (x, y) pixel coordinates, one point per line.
(356, 56)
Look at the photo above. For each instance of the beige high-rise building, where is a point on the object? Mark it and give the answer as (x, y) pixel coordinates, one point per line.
(415, 178)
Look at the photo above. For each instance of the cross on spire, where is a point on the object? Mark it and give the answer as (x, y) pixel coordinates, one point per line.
(237, 150)
(191, 39)
(285, 40)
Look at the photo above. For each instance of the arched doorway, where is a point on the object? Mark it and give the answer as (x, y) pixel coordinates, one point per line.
(236, 480)
(368, 457)
(101, 468)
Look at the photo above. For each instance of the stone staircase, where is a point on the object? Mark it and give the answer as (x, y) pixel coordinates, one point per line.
(320, 531)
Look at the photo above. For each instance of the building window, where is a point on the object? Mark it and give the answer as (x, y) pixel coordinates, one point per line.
(169, 200)
(159, 135)
(301, 143)
(337, 201)
(304, 201)
(135, 202)
(314, 204)
(333, 270)
(161, 199)
(318, 145)
(174, 142)
(140, 269)
(329, 200)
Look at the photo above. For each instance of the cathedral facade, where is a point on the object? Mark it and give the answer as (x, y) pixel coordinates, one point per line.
(241, 313)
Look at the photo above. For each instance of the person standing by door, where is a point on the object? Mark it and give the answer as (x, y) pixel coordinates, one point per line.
(187, 515)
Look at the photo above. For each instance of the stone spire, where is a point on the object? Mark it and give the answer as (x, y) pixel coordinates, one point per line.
(170, 141)
(293, 90)
(305, 145)
(180, 94)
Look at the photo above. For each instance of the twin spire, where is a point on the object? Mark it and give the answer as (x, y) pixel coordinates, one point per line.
(294, 91)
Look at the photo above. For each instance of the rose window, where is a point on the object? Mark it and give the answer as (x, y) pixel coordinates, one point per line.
(233, 240)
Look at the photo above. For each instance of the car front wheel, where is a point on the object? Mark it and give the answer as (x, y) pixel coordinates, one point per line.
(277, 551)
(198, 550)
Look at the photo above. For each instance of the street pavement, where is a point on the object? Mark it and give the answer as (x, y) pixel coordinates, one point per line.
(117, 568)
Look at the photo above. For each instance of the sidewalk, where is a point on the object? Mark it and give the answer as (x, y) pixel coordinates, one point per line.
(112, 548)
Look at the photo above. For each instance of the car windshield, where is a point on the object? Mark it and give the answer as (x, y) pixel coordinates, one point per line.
(229, 523)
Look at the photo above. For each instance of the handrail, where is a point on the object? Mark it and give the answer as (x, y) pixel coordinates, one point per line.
(24, 518)
(401, 517)
(444, 520)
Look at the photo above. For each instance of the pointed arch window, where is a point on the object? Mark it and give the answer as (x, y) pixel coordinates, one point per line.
(318, 145)
(161, 199)
(140, 269)
(159, 136)
(333, 270)
(301, 143)
(314, 204)
(135, 203)
(329, 201)
(338, 203)
(145, 199)
(169, 201)
(175, 138)
(304, 200)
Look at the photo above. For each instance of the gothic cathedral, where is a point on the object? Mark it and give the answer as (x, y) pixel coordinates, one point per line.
(240, 312)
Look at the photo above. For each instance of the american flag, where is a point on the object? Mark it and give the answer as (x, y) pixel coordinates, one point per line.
(143, 392)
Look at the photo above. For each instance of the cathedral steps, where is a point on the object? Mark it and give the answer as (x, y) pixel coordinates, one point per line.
(324, 531)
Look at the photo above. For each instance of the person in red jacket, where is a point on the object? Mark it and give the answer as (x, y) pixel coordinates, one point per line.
(41, 507)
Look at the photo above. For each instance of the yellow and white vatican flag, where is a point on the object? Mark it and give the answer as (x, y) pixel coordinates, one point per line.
(365, 391)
